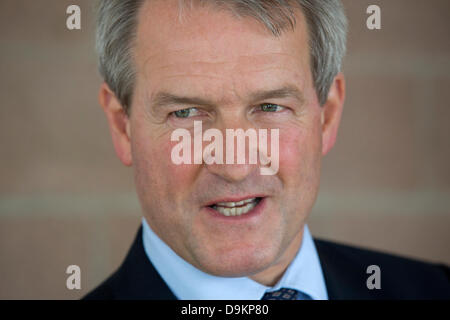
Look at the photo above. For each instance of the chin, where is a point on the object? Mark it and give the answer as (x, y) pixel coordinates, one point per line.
(242, 262)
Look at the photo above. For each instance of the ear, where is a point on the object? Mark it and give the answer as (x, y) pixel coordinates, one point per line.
(119, 124)
(331, 113)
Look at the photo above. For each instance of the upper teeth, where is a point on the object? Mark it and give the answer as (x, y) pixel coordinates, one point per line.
(235, 204)
(235, 208)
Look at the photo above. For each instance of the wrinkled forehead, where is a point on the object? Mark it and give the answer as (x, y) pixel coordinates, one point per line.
(174, 40)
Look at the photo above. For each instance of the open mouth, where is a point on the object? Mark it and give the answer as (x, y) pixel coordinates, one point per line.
(236, 208)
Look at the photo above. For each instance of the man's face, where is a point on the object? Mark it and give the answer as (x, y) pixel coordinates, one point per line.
(214, 56)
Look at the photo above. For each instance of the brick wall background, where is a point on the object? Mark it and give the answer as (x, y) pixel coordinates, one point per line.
(66, 199)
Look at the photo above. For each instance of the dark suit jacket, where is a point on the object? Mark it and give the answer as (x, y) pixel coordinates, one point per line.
(344, 268)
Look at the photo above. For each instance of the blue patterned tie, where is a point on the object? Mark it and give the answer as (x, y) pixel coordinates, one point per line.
(285, 294)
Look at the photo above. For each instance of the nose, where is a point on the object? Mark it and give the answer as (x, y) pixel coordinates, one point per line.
(240, 150)
(231, 173)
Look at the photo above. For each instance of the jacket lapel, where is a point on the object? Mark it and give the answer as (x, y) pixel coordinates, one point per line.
(345, 277)
(137, 278)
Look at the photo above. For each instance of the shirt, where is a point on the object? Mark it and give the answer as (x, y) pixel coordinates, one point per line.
(189, 283)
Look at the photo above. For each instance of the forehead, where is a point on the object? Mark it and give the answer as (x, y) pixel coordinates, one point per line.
(206, 45)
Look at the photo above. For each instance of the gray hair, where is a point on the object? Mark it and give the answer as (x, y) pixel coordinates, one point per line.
(326, 20)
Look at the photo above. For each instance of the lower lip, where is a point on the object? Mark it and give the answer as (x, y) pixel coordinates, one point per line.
(256, 211)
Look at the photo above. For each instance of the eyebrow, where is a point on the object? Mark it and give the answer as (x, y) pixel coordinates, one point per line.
(165, 98)
(284, 92)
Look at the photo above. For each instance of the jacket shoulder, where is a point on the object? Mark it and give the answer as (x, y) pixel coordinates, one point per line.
(103, 292)
(346, 273)
(135, 279)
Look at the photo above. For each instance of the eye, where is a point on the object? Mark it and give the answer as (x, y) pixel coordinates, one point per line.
(270, 107)
(186, 113)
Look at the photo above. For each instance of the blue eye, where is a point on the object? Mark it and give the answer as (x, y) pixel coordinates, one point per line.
(185, 113)
(269, 107)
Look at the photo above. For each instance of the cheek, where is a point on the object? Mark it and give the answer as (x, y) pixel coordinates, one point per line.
(181, 178)
(299, 156)
(155, 171)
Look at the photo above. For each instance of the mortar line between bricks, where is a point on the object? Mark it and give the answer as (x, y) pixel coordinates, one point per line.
(430, 202)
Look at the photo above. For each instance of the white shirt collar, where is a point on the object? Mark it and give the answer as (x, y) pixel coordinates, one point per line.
(189, 283)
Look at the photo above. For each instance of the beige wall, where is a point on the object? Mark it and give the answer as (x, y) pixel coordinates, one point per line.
(66, 199)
